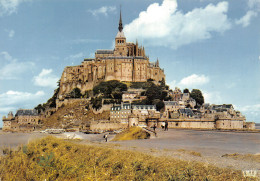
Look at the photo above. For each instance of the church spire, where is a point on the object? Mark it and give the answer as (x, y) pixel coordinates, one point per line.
(120, 27)
(157, 62)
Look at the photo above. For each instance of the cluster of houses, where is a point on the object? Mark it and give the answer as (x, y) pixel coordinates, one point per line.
(180, 112)
(23, 120)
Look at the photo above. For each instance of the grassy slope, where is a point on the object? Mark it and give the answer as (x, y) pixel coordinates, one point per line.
(79, 113)
(54, 159)
(132, 133)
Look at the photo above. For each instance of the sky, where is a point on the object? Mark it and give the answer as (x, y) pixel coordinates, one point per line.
(211, 45)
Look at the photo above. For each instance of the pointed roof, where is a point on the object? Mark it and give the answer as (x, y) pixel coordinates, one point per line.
(120, 26)
(157, 63)
(120, 33)
(27, 112)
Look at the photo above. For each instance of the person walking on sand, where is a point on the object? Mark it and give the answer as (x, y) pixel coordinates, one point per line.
(154, 127)
(166, 126)
(105, 136)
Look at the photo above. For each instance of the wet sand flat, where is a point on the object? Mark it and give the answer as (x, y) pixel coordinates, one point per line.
(15, 139)
(204, 141)
(207, 142)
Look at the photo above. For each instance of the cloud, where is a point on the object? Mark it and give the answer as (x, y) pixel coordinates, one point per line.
(194, 80)
(164, 25)
(245, 20)
(191, 81)
(254, 109)
(11, 33)
(13, 100)
(212, 97)
(78, 41)
(172, 84)
(230, 85)
(8, 7)
(254, 8)
(103, 10)
(254, 4)
(46, 79)
(252, 112)
(11, 68)
(74, 57)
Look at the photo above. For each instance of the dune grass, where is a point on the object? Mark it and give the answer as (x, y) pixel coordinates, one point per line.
(247, 157)
(132, 133)
(55, 159)
(190, 152)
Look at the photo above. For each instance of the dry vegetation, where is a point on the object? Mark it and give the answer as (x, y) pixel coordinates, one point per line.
(74, 114)
(190, 152)
(132, 133)
(248, 157)
(54, 159)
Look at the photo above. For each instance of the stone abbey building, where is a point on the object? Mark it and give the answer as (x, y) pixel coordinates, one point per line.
(127, 62)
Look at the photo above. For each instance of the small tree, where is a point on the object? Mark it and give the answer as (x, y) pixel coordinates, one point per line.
(197, 96)
(159, 105)
(52, 101)
(40, 108)
(186, 91)
(75, 93)
(96, 102)
(110, 89)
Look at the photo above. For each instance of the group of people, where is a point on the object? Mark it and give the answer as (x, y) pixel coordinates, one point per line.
(165, 126)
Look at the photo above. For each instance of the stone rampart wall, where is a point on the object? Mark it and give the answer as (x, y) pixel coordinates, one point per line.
(229, 124)
(249, 125)
(105, 126)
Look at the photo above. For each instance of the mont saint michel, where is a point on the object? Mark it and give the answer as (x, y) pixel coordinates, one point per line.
(122, 88)
(130, 90)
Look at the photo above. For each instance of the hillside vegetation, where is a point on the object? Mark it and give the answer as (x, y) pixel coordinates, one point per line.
(54, 159)
(132, 133)
(72, 115)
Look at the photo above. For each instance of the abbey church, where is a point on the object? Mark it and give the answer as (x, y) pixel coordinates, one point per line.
(127, 62)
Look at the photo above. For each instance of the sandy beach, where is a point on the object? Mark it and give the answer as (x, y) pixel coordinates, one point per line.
(212, 145)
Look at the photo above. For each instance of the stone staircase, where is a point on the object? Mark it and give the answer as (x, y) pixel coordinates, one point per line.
(151, 132)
